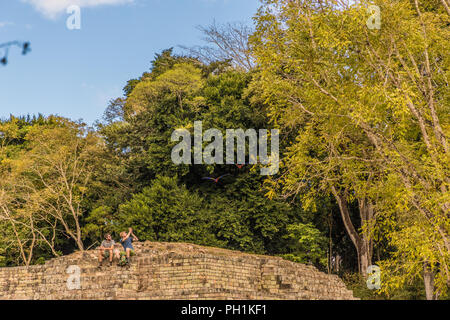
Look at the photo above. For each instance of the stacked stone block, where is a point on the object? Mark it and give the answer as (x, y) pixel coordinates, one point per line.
(173, 271)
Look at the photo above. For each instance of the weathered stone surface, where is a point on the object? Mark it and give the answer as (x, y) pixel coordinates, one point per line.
(174, 271)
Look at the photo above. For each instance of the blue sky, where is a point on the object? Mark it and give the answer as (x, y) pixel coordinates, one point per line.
(74, 73)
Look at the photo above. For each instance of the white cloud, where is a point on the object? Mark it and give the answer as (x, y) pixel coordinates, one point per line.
(52, 8)
(5, 24)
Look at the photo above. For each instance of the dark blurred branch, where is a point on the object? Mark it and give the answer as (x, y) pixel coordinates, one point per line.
(25, 46)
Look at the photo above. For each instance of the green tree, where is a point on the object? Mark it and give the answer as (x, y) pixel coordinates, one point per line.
(166, 211)
(309, 244)
(237, 214)
(45, 185)
(370, 110)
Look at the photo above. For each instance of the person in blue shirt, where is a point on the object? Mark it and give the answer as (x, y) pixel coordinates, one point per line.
(126, 241)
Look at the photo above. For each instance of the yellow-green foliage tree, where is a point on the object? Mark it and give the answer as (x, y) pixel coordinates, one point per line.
(180, 82)
(370, 107)
(44, 185)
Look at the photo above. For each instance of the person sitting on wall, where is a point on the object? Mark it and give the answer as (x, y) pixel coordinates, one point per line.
(106, 250)
(126, 241)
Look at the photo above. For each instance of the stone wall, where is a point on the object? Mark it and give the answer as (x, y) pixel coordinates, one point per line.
(173, 271)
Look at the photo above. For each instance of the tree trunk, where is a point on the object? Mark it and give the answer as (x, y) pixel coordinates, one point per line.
(363, 243)
(366, 246)
(338, 263)
(330, 243)
(428, 280)
(364, 256)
